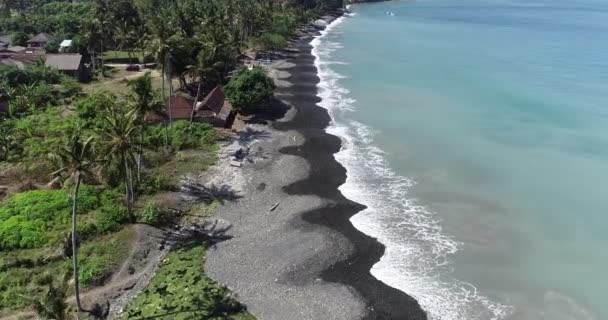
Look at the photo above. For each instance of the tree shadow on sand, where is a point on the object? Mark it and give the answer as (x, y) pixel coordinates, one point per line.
(211, 193)
(267, 112)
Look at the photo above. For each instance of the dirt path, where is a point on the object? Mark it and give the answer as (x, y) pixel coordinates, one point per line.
(149, 245)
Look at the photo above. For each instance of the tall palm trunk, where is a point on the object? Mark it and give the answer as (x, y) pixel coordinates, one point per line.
(75, 242)
(170, 94)
(128, 190)
(162, 84)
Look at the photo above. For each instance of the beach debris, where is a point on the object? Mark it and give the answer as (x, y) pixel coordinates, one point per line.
(274, 207)
(236, 164)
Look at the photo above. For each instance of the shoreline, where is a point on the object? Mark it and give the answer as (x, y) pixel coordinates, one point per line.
(384, 302)
(305, 260)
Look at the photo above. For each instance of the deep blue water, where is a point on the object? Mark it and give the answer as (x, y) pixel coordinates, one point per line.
(477, 134)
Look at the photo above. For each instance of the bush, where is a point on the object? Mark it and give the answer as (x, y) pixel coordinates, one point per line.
(152, 214)
(112, 213)
(33, 218)
(151, 184)
(248, 88)
(182, 135)
(20, 38)
(52, 47)
(271, 41)
(70, 87)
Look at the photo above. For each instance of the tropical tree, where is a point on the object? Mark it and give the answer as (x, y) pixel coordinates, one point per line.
(74, 161)
(248, 88)
(145, 102)
(125, 38)
(117, 136)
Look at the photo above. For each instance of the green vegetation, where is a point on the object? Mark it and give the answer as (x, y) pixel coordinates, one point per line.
(181, 290)
(53, 304)
(22, 270)
(35, 218)
(111, 163)
(248, 88)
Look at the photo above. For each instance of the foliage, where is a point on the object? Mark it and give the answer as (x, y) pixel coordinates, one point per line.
(152, 214)
(42, 132)
(99, 258)
(20, 38)
(271, 41)
(182, 290)
(53, 304)
(52, 46)
(248, 88)
(151, 184)
(181, 134)
(34, 218)
(22, 271)
(37, 72)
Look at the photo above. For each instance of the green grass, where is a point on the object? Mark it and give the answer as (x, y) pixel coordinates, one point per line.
(181, 290)
(36, 218)
(116, 54)
(20, 270)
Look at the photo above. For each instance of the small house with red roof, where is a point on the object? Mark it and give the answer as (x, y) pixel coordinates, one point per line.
(214, 109)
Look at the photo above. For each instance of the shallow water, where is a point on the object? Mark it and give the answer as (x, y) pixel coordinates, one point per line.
(477, 134)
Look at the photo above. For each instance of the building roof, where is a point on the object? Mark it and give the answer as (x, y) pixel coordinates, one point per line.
(215, 105)
(16, 49)
(64, 62)
(42, 37)
(66, 43)
(6, 38)
(13, 63)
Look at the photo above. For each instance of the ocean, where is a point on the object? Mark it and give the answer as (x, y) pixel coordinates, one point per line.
(476, 133)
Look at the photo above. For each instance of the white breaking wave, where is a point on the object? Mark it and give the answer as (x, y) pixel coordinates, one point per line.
(417, 256)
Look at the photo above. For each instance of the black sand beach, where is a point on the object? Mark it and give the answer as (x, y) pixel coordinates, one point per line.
(325, 177)
(304, 260)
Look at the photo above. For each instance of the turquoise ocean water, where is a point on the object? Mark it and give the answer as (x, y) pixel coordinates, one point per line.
(477, 134)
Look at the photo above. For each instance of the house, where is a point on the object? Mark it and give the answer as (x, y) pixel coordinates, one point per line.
(214, 109)
(40, 40)
(11, 49)
(6, 39)
(66, 46)
(18, 60)
(68, 63)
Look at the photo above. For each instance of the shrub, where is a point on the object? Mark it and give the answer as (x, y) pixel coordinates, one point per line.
(20, 38)
(151, 184)
(33, 218)
(271, 41)
(52, 47)
(182, 135)
(248, 88)
(152, 214)
(70, 87)
(112, 213)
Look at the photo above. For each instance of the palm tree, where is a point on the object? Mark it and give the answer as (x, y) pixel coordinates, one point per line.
(74, 161)
(125, 37)
(117, 135)
(145, 103)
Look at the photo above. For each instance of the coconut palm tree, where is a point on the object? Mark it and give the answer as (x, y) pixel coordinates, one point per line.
(118, 136)
(74, 161)
(144, 103)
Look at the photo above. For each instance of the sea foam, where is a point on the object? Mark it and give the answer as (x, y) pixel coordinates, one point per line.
(417, 256)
